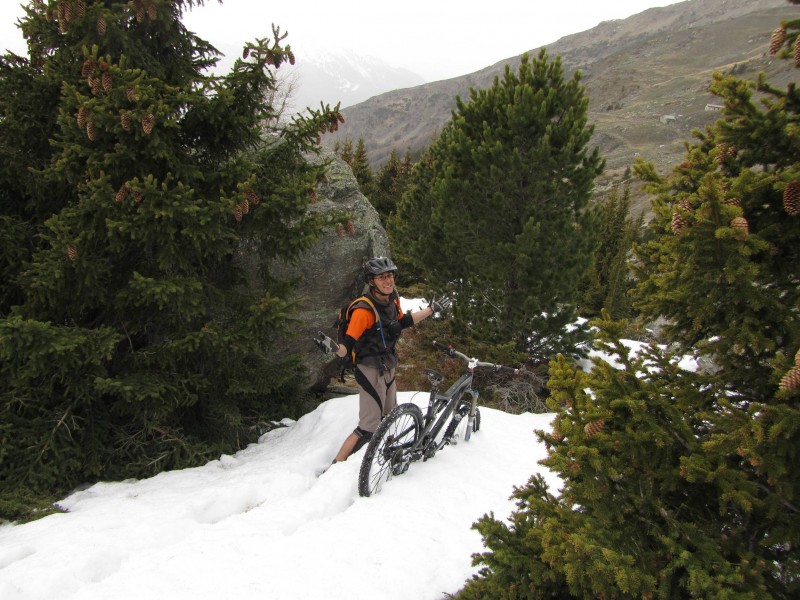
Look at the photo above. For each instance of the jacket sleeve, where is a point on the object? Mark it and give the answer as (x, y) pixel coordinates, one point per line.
(361, 320)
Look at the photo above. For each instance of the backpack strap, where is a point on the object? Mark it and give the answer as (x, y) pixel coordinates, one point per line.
(348, 313)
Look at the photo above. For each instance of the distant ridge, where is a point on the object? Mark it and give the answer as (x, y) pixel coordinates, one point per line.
(637, 71)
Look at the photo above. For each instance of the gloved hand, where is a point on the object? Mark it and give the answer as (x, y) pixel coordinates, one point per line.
(440, 305)
(326, 344)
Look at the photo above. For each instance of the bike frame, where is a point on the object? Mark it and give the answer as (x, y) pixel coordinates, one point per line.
(407, 434)
(441, 406)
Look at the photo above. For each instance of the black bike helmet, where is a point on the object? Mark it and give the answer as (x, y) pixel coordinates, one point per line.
(377, 265)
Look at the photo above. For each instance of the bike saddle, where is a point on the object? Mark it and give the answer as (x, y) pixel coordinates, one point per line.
(434, 376)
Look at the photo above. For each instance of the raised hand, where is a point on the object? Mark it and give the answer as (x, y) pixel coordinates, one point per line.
(440, 305)
(326, 344)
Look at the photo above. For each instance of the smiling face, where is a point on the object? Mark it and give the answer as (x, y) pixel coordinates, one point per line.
(384, 283)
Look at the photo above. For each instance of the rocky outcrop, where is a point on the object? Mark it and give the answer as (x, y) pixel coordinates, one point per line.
(331, 272)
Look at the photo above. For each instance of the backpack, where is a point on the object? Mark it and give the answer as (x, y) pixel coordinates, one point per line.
(343, 320)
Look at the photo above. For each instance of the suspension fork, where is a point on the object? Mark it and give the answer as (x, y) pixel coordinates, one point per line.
(471, 418)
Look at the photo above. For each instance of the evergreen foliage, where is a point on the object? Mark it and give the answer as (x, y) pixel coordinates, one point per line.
(142, 202)
(358, 160)
(362, 170)
(608, 281)
(499, 205)
(679, 483)
(392, 180)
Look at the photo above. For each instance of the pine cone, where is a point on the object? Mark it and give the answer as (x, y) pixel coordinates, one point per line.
(237, 213)
(67, 11)
(83, 115)
(147, 123)
(732, 201)
(797, 52)
(101, 26)
(125, 120)
(312, 196)
(121, 194)
(679, 223)
(722, 153)
(791, 198)
(107, 81)
(96, 85)
(131, 94)
(91, 131)
(593, 428)
(252, 197)
(791, 381)
(777, 39)
(245, 206)
(740, 223)
(291, 57)
(350, 228)
(140, 12)
(152, 13)
(137, 196)
(80, 8)
(797, 358)
(87, 68)
(339, 231)
(72, 252)
(685, 205)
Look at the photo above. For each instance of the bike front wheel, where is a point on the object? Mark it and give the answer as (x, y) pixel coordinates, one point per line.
(458, 428)
(388, 452)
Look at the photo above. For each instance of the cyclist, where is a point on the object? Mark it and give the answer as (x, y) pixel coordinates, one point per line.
(373, 343)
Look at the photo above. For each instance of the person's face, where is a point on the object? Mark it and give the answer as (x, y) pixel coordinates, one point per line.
(384, 282)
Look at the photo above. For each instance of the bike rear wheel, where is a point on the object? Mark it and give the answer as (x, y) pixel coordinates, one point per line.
(388, 452)
(458, 428)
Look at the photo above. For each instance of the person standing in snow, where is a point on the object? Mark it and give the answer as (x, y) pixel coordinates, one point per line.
(372, 343)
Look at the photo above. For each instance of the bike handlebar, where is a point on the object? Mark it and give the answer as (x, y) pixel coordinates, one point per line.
(453, 353)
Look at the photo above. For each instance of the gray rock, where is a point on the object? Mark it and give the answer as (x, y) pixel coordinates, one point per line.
(330, 273)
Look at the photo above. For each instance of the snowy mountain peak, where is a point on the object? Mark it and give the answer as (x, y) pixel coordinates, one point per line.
(334, 75)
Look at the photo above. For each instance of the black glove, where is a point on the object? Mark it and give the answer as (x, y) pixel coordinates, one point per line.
(440, 305)
(326, 344)
(393, 328)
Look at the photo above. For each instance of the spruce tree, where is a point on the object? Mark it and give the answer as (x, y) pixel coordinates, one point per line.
(391, 182)
(608, 281)
(143, 202)
(361, 169)
(676, 482)
(502, 208)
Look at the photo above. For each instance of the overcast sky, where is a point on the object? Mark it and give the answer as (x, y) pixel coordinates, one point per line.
(437, 39)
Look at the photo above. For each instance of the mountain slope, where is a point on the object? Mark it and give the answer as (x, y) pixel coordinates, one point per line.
(635, 70)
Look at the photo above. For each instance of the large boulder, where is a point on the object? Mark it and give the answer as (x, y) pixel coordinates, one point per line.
(330, 273)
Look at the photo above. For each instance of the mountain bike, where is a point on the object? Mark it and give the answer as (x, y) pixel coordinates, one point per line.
(407, 435)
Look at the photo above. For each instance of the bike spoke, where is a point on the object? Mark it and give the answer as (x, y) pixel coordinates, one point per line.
(387, 453)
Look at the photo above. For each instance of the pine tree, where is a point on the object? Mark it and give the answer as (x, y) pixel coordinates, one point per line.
(608, 281)
(149, 199)
(503, 210)
(362, 170)
(346, 151)
(391, 182)
(359, 164)
(678, 483)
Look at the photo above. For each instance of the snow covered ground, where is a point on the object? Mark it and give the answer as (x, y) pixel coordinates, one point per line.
(262, 524)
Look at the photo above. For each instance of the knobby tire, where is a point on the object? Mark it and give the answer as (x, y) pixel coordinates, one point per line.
(457, 430)
(387, 452)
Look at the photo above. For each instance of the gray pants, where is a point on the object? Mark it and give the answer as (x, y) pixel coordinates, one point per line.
(377, 395)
